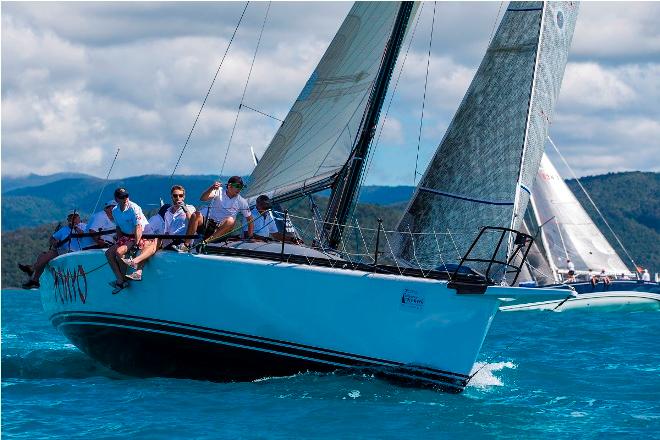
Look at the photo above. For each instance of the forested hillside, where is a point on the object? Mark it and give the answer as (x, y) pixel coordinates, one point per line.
(630, 202)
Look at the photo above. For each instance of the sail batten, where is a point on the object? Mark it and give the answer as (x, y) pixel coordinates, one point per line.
(318, 135)
(492, 148)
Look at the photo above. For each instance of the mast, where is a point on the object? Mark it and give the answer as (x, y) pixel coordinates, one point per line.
(346, 186)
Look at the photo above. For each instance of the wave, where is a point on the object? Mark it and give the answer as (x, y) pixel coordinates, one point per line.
(53, 363)
(485, 376)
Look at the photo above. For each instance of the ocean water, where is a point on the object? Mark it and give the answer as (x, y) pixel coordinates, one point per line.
(544, 375)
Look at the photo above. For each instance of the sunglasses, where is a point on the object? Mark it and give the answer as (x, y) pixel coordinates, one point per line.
(237, 185)
(178, 195)
(124, 197)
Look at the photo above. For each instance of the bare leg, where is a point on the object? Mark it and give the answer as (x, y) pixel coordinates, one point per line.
(196, 220)
(224, 228)
(114, 254)
(150, 248)
(42, 261)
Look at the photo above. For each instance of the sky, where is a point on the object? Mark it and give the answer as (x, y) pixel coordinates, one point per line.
(81, 79)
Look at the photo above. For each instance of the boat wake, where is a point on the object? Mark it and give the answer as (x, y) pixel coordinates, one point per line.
(485, 377)
(51, 363)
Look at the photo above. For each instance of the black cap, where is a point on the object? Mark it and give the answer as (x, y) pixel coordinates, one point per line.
(264, 201)
(120, 193)
(236, 179)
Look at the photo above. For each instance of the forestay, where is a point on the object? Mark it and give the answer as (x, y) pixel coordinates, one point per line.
(484, 166)
(317, 136)
(570, 233)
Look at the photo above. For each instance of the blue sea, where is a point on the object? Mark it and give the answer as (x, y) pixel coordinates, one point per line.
(544, 375)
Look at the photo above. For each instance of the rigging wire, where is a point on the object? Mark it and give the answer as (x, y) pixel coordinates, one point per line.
(492, 32)
(106, 181)
(426, 81)
(262, 113)
(593, 204)
(209, 90)
(389, 104)
(247, 81)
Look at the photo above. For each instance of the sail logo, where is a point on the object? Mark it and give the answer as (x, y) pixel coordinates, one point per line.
(560, 19)
(70, 285)
(412, 299)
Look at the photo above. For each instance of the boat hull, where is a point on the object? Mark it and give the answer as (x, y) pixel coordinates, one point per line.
(617, 296)
(233, 318)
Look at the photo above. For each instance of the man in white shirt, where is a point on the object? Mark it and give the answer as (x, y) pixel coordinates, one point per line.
(101, 221)
(130, 223)
(571, 271)
(178, 215)
(60, 243)
(646, 276)
(225, 204)
(171, 220)
(264, 224)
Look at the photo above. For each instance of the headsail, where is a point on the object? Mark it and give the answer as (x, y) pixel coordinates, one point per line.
(486, 163)
(317, 136)
(570, 233)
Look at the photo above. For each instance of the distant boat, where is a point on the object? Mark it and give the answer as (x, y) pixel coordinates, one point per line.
(244, 310)
(568, 232)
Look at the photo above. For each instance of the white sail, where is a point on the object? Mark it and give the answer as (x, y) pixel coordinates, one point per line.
(570, 233)
(318, 134)
(483, 168)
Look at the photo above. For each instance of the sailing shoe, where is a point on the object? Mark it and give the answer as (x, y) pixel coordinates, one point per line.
(181, 248)
(25, 268)
(129, 262)
(31, 284)
(135, 276)
(118, 286)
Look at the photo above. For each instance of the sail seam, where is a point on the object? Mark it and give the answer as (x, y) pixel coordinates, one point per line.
(469, 199)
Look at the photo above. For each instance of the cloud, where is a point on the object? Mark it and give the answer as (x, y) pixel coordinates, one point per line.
(590, 85)
(614, 31)
(82, 78)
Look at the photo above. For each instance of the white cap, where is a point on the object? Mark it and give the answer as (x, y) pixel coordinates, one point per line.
(110, 203)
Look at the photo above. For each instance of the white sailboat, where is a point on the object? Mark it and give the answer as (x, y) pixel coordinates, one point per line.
(568, 233)
(246, 310)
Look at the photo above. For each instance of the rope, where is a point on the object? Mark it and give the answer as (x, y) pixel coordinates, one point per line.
(593, 204)
(106, 181)
(209, 90)
(247, 81)
(426, 81)
(261, 113)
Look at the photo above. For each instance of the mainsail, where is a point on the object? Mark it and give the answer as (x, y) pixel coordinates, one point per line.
(570, 233)
(482, 170)
(317, 136)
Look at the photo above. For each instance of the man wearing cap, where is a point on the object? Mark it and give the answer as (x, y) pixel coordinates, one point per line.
(130, 223)
(102, 221)
(225, 204)
(60, 243)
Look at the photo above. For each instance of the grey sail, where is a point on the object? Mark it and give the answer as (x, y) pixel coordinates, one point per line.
(484, 166)
(570, 233)
(317, 136)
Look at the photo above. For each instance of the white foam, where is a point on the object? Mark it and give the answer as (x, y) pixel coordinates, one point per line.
(485, 377)
(354, 394)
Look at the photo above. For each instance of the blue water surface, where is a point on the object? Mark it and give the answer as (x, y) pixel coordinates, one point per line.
(544, 375)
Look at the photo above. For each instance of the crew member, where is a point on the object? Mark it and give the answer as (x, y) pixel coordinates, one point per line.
(60, 243)
(130, 223)
(226, 202)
